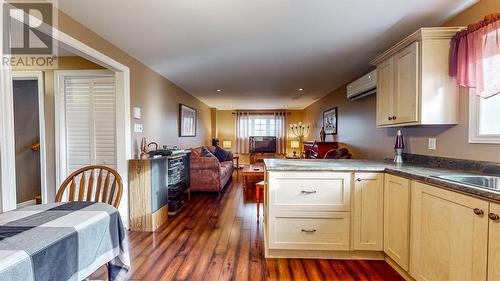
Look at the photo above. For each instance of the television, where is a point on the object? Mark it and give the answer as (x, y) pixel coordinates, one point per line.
(262, 144)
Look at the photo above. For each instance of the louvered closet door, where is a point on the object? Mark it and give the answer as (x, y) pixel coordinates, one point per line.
(90, 106)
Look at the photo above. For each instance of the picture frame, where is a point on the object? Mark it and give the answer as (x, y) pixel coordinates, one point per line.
(330, 121)
(187, 121)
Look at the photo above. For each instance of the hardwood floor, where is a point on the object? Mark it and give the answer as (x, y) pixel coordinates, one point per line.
(220, 239)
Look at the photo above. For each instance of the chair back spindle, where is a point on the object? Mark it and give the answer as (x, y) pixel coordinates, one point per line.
(86, 191)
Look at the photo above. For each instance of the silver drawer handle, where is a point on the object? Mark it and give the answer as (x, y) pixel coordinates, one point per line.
(308, 192)
(308, 230)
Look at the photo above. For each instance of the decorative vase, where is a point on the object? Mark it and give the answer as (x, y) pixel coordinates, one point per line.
(144, 149)
(322, 134)
(399, 147)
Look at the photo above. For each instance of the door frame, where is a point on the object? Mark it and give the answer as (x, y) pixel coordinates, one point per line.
(39, 77)
(60, 118)
(122, 80)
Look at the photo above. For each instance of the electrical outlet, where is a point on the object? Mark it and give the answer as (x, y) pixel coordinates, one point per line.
(432, 144)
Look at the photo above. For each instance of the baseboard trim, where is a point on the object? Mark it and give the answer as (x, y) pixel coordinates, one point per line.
(398, 269)
(26, 203)
(321, 254)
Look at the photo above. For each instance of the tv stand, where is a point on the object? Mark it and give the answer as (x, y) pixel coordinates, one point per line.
(259, 157)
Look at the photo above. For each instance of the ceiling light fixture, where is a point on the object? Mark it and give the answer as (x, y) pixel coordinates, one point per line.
(219, 91)
(300, 89)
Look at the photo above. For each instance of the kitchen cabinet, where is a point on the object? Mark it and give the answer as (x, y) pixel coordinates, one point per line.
(385, 91)
(405, 107)
(308, 211)
(494, 243)
(449, 235)
(413, 85)
(368, 211)
(397, 219)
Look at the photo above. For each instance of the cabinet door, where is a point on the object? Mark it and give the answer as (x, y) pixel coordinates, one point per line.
(385, 92)
(449, 235)
(368, 231)
(494, 244)
(397, 219)
(406, 89)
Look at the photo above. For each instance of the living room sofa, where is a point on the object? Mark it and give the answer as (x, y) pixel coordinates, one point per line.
(207, 172)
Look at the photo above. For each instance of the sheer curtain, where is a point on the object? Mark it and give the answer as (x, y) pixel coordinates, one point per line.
(475, 57)
(280, 131)
(260, 124)
(242, 131)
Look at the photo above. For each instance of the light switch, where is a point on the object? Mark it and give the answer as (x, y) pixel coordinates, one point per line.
(136, 112)
(432, 144)
(138, 128)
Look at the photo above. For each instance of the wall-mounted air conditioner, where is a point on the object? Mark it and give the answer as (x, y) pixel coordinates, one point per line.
(362, 87)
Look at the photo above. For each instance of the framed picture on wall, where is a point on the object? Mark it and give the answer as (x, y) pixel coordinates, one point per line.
(330, 121)
(187, 121)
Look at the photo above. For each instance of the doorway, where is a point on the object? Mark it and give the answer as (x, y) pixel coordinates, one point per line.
(123, 122)
(29, 135)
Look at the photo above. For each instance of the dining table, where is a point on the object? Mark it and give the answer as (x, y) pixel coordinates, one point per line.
(62, 241)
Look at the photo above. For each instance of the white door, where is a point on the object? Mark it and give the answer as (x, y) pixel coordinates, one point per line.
(87, 134)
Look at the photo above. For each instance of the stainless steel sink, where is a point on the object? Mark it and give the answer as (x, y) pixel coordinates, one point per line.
(488, 182)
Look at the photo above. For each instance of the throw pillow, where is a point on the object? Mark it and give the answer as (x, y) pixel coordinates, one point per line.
(222, 154)
(206, 153)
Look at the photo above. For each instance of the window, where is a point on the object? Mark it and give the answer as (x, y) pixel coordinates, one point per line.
(484, 119)
(262, 126)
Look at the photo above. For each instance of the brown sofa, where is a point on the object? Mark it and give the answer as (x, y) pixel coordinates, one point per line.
(207, 173)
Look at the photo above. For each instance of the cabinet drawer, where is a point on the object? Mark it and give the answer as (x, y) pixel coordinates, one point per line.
(309, 192)
(310, 233)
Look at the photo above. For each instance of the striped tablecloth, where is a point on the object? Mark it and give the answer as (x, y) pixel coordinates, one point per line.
(62, 241)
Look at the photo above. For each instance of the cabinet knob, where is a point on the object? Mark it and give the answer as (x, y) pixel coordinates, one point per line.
(308, 191)
(308, 230)
(393, 117)
(389, 118)
(493, 217)
(358, 179)
(478, 212)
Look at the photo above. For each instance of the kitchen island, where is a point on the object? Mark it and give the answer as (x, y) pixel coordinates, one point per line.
(405, 214)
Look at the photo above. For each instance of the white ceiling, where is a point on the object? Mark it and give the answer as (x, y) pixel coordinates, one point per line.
(259, 52)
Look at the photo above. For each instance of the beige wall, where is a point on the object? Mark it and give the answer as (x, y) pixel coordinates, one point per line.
(357, 119)
(226, 128)
(158, 97)
(356, 125)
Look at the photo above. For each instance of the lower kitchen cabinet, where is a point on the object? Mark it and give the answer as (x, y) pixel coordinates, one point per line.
(397, 220)
(494, 243)
(368, 211)
(321, 232)
(449, 235)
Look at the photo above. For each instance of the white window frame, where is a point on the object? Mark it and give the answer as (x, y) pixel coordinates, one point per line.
(267, 117)
(474, 119)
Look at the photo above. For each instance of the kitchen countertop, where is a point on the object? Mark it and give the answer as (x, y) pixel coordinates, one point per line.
(411, 171)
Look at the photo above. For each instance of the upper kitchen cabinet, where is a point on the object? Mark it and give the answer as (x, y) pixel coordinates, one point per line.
(413, 85)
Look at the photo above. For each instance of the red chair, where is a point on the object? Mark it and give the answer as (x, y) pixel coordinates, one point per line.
(341, 153)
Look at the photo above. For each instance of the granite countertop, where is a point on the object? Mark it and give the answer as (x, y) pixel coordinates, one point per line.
(421, 173)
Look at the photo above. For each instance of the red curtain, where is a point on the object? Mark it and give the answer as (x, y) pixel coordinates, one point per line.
(475, 57)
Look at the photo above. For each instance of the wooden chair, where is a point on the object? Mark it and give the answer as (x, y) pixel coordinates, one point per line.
(103, 191)
(258, 186)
